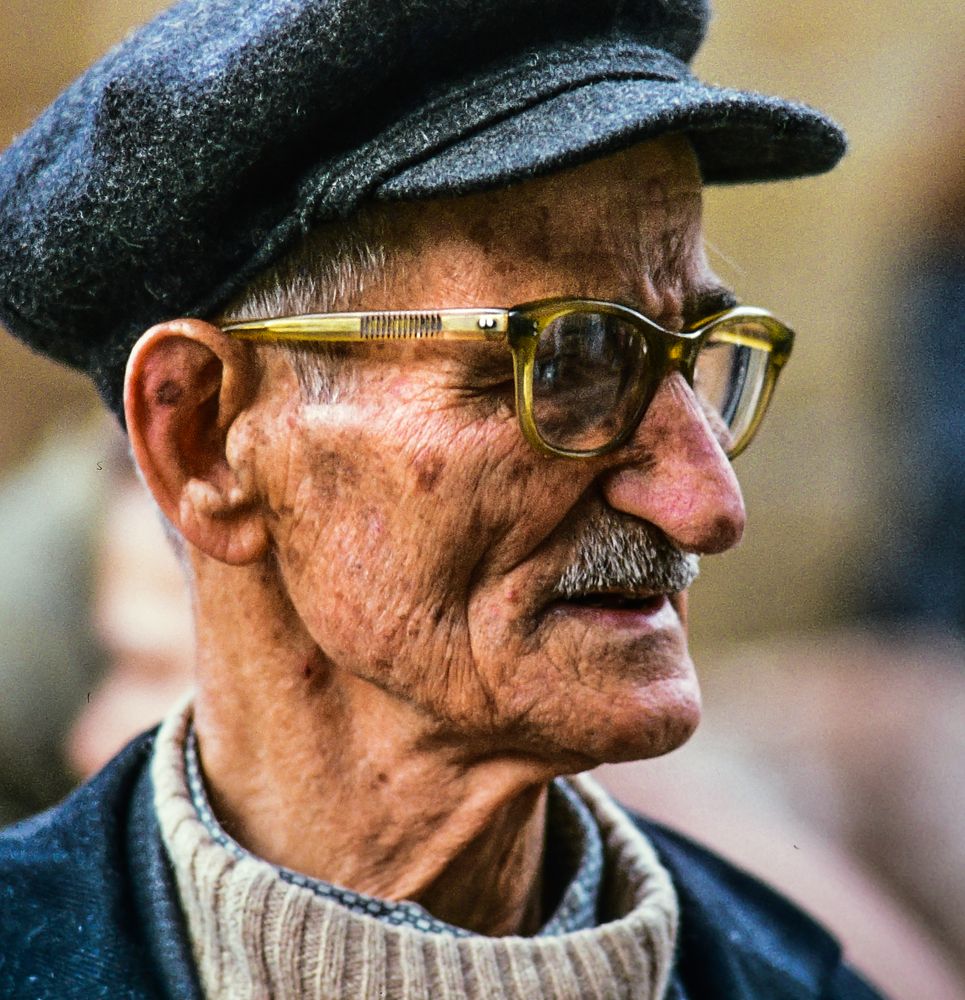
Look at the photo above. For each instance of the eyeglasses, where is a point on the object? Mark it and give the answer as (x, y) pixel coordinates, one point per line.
(586, 370)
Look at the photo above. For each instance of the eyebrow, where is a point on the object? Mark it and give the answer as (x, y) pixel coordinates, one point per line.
(708, 301)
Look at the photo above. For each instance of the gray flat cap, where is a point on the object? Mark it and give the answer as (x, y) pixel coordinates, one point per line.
(200, 149)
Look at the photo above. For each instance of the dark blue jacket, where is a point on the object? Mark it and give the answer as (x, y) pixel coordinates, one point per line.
(89, 908)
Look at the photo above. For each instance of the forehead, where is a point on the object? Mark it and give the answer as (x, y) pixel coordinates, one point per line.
(637, 187)
(636, 213)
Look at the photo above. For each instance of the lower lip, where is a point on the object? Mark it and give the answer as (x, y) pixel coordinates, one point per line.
(656, 616)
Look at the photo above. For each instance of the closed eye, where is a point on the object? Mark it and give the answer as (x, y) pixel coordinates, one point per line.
(490, 385)
(487, 369)
(707, 302)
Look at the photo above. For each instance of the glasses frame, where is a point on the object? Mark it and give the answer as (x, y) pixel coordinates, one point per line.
(520, 328)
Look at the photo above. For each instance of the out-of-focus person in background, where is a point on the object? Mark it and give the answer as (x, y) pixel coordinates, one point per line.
(141, 613)
(94, 614)
(854, 672)
(49, 654)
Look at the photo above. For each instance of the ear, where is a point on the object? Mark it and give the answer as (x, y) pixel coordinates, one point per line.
(186, 384)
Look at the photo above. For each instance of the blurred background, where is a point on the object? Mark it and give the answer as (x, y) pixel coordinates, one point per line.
(830, 641)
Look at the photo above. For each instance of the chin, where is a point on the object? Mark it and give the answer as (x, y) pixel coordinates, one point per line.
(648, 723)
(640, 697)
(623, 719)
(601, 686)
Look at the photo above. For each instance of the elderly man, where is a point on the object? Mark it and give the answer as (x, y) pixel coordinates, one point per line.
(438, 395)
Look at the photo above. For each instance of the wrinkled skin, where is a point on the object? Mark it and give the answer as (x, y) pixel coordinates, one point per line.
(380, 663)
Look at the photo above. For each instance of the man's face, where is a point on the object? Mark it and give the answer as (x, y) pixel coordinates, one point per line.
(421, 540)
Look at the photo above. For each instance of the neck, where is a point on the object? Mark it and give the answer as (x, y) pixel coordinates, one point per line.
(312, 768)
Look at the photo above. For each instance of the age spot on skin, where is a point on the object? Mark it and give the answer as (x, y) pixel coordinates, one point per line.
(333, 469)
(482, 232)
(505, 268)
(168, 393)
(427, 471)
(520, 468)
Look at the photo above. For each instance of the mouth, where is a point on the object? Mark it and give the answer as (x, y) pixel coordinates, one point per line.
(615, 601)
(639, 613)
(620, 572)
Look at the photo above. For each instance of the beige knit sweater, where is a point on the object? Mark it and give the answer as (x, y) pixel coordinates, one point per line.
(255, 935)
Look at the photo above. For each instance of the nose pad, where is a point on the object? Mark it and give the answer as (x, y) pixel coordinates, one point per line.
(674, 474)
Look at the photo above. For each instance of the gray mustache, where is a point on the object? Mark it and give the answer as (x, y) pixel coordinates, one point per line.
(618, 552)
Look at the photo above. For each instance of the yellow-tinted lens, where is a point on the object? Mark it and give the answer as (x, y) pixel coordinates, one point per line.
(731, 374)
(588, 380)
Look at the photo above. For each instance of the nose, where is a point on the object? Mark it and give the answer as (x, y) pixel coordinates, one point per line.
(674, 474)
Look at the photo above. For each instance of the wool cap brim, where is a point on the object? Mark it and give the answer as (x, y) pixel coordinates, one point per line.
(738, 136)
(193, 156)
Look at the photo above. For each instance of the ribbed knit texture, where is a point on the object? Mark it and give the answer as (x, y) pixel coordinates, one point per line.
(255, 935)
(573, 861)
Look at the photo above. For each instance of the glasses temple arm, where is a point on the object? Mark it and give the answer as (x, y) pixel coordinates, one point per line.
(358, 327)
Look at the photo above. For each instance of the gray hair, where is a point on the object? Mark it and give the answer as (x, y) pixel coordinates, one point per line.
(617, 552)
(333, 266)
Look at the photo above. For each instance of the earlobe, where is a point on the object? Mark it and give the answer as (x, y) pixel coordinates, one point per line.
(186, 385)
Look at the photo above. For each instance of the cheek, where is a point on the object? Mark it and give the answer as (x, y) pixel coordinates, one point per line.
(392, 528)
(378, 536)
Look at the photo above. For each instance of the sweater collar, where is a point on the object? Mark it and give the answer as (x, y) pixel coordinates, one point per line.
(255, 933)
(574, 862)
